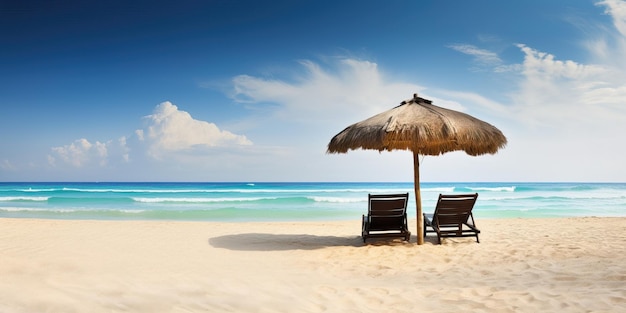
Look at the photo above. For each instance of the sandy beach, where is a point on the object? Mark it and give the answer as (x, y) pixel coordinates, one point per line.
(520, 265)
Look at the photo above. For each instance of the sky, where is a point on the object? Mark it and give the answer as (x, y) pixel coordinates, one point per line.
(253, 91)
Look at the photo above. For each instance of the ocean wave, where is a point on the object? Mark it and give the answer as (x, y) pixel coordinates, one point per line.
(200, 200)
(136, 190)
(221, 190)
(235, 190)
(204, 214)
(71, 212)
(507, 189)
(551, 197)
(38, 190)
(47, 210)
(19, 198)
(88, 200)
(438, 189)
(337, 200)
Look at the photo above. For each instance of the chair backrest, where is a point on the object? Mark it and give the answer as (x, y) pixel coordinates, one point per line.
(387, 211)
(453, 210)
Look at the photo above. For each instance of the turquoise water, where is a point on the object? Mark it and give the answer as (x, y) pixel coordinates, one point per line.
(294, 201)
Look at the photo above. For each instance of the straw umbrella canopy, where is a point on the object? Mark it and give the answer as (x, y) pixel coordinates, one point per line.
(423, 128)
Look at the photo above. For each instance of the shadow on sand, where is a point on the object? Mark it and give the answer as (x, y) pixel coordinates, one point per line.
(283, 242)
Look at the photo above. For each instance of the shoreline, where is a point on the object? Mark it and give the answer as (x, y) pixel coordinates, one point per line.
(520, 265)
(244, 202)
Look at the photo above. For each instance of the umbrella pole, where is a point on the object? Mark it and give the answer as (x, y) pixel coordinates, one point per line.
(418, 199)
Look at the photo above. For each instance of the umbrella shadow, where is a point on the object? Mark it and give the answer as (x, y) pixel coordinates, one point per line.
(282, 242)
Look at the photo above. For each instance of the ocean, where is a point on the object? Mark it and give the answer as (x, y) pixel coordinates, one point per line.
(233, 202)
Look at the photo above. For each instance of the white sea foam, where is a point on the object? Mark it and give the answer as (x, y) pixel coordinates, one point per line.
(248, 190)
(132, 211)
(508, 189)
(22, 209)
(437, 189)
(18, 198)
(37, 190)
(200, 200)
(337, 200)
(140, 190)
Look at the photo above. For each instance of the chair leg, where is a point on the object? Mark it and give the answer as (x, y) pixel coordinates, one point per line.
(438, 236)
(363, 230)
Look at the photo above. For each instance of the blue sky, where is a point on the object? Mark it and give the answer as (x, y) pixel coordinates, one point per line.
(254, 90)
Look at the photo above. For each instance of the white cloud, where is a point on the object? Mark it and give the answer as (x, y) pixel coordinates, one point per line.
(80, 153)
(569, 116)
(481, 56)
(124, 148)
(544, 66)
(348, 88)
(617, 10)
(139, 134)
(565, 96)
(569, 94)
(171, 130)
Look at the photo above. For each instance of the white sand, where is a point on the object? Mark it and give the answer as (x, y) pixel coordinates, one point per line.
(521, 265)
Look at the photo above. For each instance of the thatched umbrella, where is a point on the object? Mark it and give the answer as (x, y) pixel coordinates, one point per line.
(423, 128)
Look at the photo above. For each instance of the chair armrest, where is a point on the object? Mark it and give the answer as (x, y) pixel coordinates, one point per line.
(428, 218)
(472, 227)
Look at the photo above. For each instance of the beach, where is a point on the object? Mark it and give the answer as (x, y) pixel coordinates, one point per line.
(520, 265)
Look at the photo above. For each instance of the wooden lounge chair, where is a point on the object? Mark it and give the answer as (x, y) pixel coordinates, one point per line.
(453, 217)
(386, 217)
